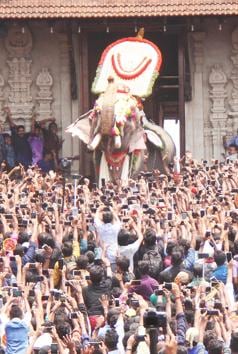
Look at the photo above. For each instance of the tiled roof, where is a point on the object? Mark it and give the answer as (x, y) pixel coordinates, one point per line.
(114, 8)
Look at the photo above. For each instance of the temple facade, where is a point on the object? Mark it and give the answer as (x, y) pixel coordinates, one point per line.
(48, 63)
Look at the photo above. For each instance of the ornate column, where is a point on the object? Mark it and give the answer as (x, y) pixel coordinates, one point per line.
(196, 121)
(19, 45)
(65, 96)
(2, 96)
(232, 122)
(218, 113)
(44, 98)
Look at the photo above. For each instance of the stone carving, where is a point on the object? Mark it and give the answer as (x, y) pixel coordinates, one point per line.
(44, 83)
(18, 42)
(218, 115)
(233, 102)
(19, 45)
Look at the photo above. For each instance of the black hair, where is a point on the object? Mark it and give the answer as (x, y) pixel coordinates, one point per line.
(15, 312)
(111, 339)
(170, 247)
(123, 263)
(82, 262)
(107, 217)
(96, 274)
(23, 237)
(67, 249)
(20, 127)
(123, 237)
(143, 267)
(220, 257)
(150, 237)
(215, 346)
(177, 256)
(63, 329)
(197, 270)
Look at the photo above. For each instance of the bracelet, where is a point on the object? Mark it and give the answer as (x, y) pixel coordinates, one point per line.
(128, 348)
(178, 298)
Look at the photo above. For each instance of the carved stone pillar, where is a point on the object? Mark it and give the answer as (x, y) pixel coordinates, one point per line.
(195, 123)
(19, 45)
(44, 98)
(218, 113)
(233, 102)
(65, 96)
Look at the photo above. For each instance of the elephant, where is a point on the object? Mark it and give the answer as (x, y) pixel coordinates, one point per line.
(120, 135)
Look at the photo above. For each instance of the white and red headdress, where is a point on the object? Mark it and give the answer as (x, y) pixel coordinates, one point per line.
(134, 62)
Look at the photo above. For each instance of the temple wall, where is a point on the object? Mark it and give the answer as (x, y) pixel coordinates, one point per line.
(213, 111)
(35, 75)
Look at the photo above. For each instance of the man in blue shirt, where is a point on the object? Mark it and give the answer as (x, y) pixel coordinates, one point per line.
(220, 273)
(16, 332)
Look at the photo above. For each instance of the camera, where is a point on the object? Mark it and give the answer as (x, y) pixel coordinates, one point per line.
(155, 319)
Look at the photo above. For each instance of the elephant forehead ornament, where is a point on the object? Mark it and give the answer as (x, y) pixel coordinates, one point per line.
(134, 62)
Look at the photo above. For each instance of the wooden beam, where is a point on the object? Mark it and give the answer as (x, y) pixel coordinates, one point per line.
(181, 72)
(83, 97)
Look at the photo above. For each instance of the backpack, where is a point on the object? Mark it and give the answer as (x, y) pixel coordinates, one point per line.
(154, 259)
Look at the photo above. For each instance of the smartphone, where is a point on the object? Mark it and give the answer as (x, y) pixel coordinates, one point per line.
(202, 213)
(208, 233)
(203, 255)
(76, 272)
(135, 282)
(45, 297)
(170, 216)
(135, 303)
(87, 277)
(168, 286)
(8, 216)
(16, 293)
(117, 302)
(213, 312)
(184, 216)
(103, 182)
(73, 315)
(33, 215)
(228, 256)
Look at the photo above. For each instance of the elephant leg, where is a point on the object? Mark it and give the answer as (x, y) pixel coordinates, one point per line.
(136, 162)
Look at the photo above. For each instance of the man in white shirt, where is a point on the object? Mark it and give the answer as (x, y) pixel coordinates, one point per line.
(108, 225)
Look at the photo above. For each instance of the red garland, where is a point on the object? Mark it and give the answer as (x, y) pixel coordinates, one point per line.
(133, 39)
(133, 75)
(116, 159)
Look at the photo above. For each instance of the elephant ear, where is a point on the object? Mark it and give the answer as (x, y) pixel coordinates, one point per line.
(81, 128)
(154, 139)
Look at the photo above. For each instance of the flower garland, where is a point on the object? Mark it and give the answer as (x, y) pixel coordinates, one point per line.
(141, 67)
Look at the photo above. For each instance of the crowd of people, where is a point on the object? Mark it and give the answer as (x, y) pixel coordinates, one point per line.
(150, 267)
(41, 146)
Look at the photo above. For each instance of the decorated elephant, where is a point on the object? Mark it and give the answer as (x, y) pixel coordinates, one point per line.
(116, 129)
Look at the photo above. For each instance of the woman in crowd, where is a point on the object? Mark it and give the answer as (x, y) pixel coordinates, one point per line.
(145, 269)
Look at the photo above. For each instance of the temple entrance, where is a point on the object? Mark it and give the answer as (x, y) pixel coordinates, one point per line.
(167, 101)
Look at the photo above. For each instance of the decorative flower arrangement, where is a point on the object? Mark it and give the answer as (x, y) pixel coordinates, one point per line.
(125, 108)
